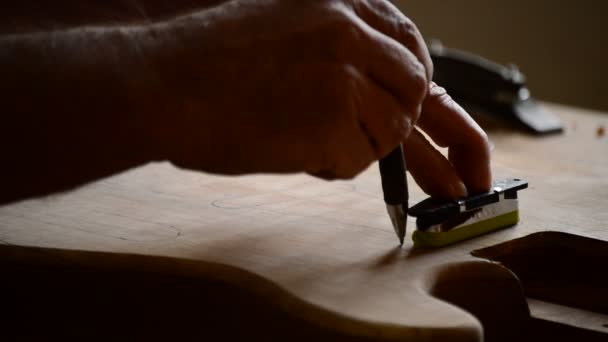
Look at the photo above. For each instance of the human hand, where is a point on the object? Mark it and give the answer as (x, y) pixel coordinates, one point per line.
(325, 87)
(467, 169)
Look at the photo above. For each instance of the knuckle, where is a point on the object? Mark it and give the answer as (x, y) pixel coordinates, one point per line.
(480, 137)
(420, 84)
(408, 27)
(408, 31)
(441, 97)
(341, 86)
(347, 29)
(436, 91)
(398, 129)
(342, 33)
(345, 73)
(411, 38)
(403, 127)
(418, 89)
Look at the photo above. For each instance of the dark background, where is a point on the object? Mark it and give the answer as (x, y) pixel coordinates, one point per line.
(561, 46)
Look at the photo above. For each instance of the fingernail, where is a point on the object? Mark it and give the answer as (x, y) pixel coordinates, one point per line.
(458, 190)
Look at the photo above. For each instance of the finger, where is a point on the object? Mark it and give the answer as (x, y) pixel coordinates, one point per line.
(383, 119)
(432, 171)
(451, 126)
(349, 149)
(348, 155)
(383, 16)
(394, 68)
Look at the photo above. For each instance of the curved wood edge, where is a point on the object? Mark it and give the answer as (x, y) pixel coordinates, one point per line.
(304, 320)
(489, 291)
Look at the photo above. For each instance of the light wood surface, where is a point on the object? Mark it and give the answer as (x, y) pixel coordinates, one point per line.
(328, 247)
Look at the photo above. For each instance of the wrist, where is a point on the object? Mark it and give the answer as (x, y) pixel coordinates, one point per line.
(79, 100)
(177, 55)
(149, 99)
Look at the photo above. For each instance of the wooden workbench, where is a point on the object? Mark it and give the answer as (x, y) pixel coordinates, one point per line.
(274, 256)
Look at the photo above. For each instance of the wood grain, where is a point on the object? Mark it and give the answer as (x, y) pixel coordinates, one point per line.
(329, 245)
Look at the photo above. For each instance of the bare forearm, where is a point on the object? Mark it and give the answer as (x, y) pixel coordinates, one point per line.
(69, 102)
(22, 16)
(324, 87)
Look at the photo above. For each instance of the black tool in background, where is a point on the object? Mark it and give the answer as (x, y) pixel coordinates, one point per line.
(489, 89)
(394, 187)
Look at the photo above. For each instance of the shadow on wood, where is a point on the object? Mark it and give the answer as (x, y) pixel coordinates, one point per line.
(106, 296)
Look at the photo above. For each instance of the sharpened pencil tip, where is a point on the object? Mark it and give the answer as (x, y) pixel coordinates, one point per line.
(399, 220)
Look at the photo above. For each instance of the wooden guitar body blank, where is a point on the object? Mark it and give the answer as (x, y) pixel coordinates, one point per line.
(162, 253)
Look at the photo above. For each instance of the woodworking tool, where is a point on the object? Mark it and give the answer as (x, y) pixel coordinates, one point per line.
(490, 90)
(394, 187)
(443, 222)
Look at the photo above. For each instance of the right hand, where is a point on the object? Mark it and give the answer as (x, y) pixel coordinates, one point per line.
(324, 87)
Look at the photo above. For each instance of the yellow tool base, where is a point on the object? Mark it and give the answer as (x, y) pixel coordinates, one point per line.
(438, 239)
